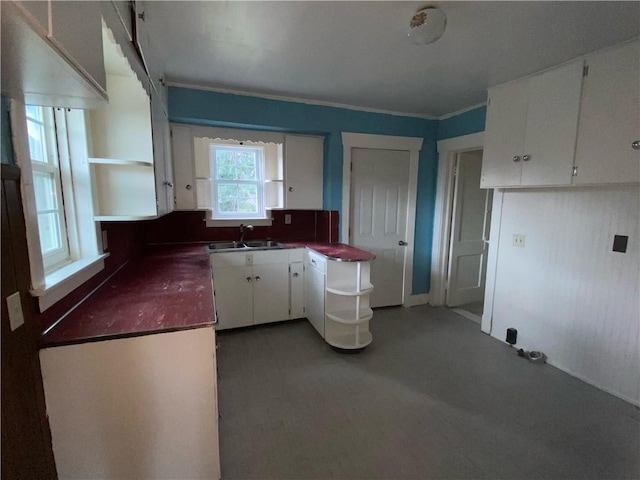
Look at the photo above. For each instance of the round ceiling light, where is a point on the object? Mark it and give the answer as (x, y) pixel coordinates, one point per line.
(427, 25)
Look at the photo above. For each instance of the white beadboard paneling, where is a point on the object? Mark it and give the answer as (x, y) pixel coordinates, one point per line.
(568, 294)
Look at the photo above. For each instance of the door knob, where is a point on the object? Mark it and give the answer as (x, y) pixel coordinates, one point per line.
(402, 243)
(249, 279)
(636, 145)
(516, 158)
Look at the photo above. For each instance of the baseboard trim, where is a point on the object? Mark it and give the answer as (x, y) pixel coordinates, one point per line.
(417, 299)
(468, 315)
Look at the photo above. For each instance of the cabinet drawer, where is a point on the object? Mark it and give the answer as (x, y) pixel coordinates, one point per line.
(317, 261)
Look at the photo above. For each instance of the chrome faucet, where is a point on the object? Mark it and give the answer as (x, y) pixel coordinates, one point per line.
(243, 229)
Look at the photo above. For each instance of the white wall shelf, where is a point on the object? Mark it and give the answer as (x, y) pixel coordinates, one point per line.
(351, 291)
(118, 161)
(350, 317)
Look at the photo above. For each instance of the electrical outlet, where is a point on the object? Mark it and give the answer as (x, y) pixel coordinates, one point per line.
(15, 311)
(287, 219)
(518, 240)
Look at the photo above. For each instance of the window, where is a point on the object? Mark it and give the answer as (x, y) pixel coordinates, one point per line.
(238, 181)
(47, 184)
(62, 235)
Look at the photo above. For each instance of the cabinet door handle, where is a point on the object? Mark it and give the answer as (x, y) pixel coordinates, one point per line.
(516, 158)
(402, 243)
(169, 184)
(636, 145)
(526, 158)
(257, 278)
(249, 279)
(296, 274)
(188, 187)
(291, 189)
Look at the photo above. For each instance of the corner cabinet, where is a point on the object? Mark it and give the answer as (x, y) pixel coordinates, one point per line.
(531, 129)
(337, 300)
(610, 118)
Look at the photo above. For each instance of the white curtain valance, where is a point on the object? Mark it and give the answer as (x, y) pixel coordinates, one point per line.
(230, 134)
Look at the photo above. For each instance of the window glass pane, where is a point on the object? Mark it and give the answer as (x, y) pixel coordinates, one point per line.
(246, 165)
(227, 198)
(34, 112)
(248, 198)
(49, 227)
(225, 165)
(45, 189)
(36, 141)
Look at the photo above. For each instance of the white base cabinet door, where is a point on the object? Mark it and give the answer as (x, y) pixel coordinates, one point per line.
(314, 289)
(270, 293)
(610, 118)
(233, 287)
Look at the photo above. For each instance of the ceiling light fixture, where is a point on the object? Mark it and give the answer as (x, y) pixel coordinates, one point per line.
(427, 25)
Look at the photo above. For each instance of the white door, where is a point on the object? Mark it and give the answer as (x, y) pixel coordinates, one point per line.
(379, 189)
(469, 230)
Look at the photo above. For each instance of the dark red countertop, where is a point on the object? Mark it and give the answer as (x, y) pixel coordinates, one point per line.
(335, 251)
(168, 289)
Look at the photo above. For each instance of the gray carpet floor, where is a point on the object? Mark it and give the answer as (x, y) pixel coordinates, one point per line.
(432, 397)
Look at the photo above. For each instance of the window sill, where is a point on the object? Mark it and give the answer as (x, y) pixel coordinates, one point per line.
(63, 281)
(256, 222)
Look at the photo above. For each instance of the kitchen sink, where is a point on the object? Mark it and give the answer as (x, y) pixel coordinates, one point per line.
(248, 245)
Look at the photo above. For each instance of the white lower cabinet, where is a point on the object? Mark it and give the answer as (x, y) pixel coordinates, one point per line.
(257, 287)
(139, 407)
(337, 300)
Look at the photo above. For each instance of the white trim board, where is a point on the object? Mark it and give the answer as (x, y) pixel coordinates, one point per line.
(384, 142)
(448, 150)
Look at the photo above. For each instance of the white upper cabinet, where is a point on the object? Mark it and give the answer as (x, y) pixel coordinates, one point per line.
(610, 118)
(76, 30)
(183, 167)
(303, 160)
(52, 53)
(531, 129)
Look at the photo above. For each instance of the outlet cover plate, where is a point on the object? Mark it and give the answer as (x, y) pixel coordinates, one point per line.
(14, 306)
(518, 240)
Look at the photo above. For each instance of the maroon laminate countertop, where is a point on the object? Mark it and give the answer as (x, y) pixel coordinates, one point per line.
(168, 289)
(336, 251)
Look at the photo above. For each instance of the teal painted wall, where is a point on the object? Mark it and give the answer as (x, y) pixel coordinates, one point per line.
(463, 124)
(204, 107)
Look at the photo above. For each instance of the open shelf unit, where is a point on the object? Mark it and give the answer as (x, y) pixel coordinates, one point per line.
(343, 313)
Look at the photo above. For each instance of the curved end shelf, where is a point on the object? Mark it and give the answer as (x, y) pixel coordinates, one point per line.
(347, 316)
(348, 341)
(351, 291)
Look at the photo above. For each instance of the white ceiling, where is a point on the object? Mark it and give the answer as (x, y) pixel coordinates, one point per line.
(358, 53)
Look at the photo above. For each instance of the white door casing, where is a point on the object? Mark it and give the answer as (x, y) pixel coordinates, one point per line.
(379, 189)
(386, 142)
(469, 231)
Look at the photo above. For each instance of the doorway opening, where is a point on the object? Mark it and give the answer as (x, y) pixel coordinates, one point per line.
(469, 222)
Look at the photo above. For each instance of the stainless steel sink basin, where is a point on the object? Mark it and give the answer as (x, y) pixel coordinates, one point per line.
(248, 245)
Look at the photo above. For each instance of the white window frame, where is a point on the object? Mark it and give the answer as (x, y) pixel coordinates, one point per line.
(51, 166)
(86, 257)
(259, 183)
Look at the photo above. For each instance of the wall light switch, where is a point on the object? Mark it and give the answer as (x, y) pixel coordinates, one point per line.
(15, 310)
(518, 240)
(287, 219)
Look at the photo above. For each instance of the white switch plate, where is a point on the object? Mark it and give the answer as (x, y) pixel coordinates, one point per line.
(287, 219)
(15, 310)
(518, 240)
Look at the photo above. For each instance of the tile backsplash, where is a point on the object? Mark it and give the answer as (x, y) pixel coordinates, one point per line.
(189, 226)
